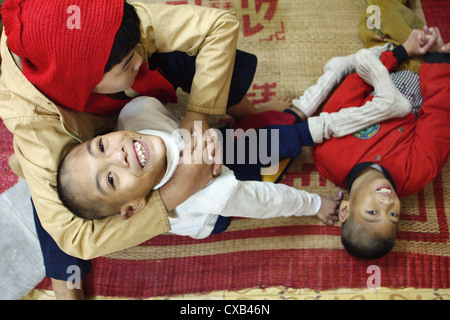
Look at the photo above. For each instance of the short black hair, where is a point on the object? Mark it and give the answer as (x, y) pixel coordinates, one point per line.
(127, 37)
(64, 193)
(361, 243)
(73, 202)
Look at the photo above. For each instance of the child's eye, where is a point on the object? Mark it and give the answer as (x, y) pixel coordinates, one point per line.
(392, 214)
(101, 146)
(372, 212)
(111, 179)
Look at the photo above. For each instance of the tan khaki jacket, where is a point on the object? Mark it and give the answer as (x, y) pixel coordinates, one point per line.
(44, 132)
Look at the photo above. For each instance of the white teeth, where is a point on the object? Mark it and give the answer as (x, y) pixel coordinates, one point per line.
(384, 190)
(140, 151)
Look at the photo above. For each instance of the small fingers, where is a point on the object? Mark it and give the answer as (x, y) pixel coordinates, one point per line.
(214, 150)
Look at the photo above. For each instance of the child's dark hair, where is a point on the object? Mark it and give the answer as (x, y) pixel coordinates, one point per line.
(65, 195)
(76, 204)
(361, 243)
(127, 37)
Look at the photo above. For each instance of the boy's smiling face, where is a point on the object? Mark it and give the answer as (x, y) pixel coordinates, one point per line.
(121, 77)
(373, 203)
(120, 169)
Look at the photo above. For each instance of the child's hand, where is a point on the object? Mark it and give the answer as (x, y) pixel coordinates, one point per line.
(188, 123)
(192, 173)
(213, 150)
(205, 147)
(328, 212)
(419, 42)
(439, 45)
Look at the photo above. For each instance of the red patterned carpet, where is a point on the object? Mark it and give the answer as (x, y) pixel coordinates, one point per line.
(8, 178)
(289, 252)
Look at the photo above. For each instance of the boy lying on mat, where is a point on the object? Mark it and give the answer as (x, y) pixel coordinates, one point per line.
(396, 158)
(232, 198)
(115, 173)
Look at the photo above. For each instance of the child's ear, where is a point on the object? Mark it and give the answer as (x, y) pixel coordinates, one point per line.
(343, 211)
(131, 208)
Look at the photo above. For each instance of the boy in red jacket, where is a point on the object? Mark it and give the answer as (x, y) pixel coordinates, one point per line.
(395, 158)
(394, 152)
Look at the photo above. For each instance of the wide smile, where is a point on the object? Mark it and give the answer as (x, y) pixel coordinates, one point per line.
(384, 190)
(141, 152)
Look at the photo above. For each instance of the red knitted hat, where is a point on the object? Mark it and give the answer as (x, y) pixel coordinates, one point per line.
(64, 44)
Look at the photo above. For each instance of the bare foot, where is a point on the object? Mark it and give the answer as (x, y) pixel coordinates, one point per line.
(275, 104)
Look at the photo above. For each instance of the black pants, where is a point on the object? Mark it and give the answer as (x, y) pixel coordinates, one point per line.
(179, 69)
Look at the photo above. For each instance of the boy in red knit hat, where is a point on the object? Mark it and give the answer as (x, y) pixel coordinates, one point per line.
(68, 67)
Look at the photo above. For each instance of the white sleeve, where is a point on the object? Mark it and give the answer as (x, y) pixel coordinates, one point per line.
(263, 200)
(144, 113)
(388, 103)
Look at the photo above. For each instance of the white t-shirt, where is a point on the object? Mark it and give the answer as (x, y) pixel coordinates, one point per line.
(224, 195)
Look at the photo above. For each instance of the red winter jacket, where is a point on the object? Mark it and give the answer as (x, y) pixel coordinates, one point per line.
(412, 150)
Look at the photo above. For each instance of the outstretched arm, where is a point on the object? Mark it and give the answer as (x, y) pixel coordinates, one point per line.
(263, 200)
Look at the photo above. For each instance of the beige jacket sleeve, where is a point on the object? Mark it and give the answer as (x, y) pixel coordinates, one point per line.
(209, 33)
